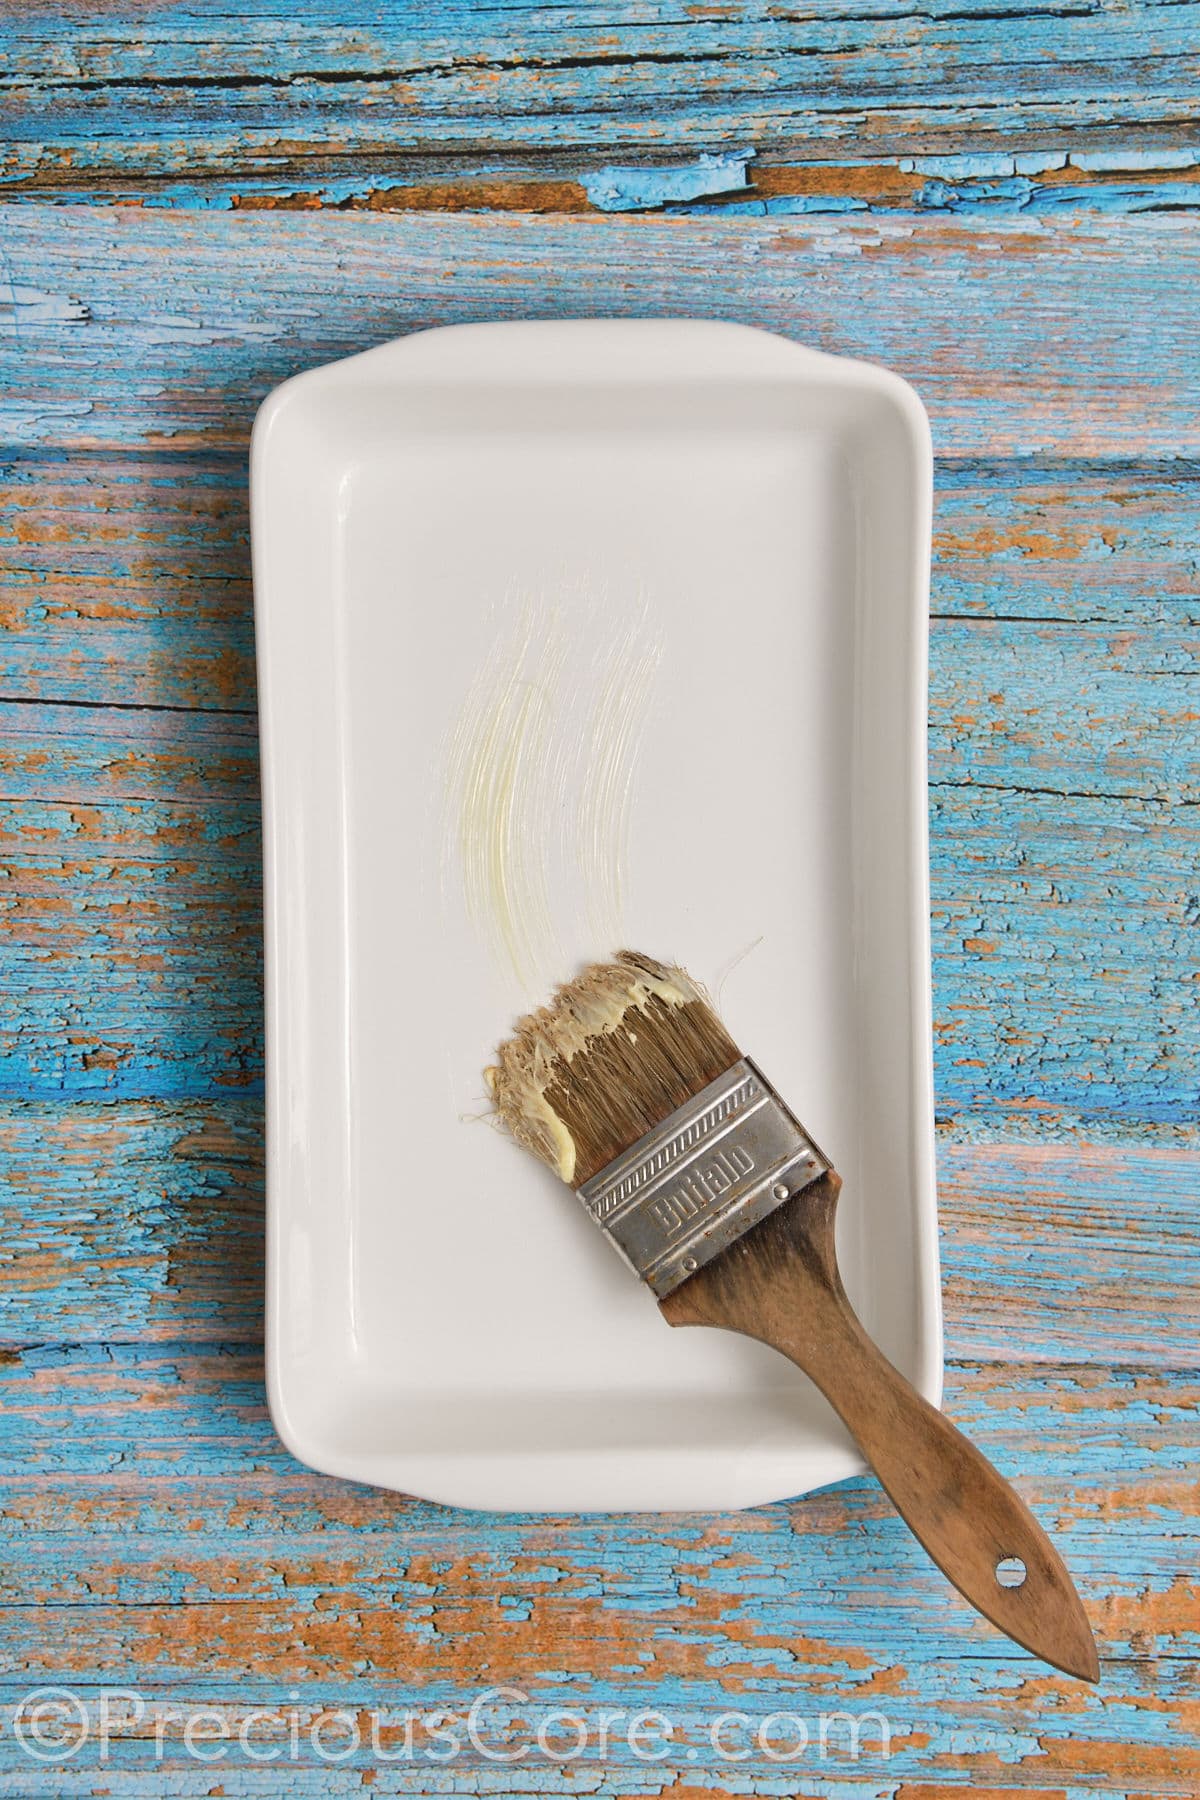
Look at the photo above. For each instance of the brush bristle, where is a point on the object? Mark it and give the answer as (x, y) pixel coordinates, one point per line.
(606, 1061)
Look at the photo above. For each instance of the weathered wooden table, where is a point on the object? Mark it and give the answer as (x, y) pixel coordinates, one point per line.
(1002, 201)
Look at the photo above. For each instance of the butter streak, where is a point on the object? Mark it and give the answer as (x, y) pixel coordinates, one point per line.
(541, 775)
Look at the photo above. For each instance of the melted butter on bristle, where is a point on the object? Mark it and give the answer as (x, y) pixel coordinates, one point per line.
(530, 1062)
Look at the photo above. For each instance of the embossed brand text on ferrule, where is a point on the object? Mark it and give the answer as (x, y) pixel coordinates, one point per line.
(700, 1187)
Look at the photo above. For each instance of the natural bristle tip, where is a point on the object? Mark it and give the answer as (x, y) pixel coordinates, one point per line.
(610, 1056)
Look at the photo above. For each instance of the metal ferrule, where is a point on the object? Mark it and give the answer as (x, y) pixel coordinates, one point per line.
(711, 1170)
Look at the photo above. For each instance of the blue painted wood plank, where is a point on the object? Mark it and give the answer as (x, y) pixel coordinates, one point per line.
(134, 857)
(201, 1589)
(728, 183)
(940, 1745)
(132, 1221)
(1068, 337)
(133, 902)
(262, 91)
(1069, 544)
(125, 578)
(1041, 1034)
(1063, 783)
(210, 1470)
(126, 581)
(1100, 709)
(1069, 1430)
(142, 1220)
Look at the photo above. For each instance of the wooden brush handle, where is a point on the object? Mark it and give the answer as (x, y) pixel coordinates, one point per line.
(780, 1283)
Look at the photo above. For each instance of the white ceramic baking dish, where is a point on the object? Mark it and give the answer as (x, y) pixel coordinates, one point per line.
(720, 540)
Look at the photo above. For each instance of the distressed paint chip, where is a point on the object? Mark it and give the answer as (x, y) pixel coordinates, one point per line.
(642, 189)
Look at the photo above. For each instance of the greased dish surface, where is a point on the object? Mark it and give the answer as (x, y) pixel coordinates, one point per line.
(575, 635)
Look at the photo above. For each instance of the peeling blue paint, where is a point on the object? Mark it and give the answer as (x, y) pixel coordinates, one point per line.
(776, 206)
(723, 184)
(1038, 162)
(27, 306)
(945, 194)
(1022, 194)
(1105, 161)
(32, 421)
(959, 168)
(635, 189)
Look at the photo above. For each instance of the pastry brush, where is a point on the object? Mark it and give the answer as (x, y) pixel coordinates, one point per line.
(629, 1086)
